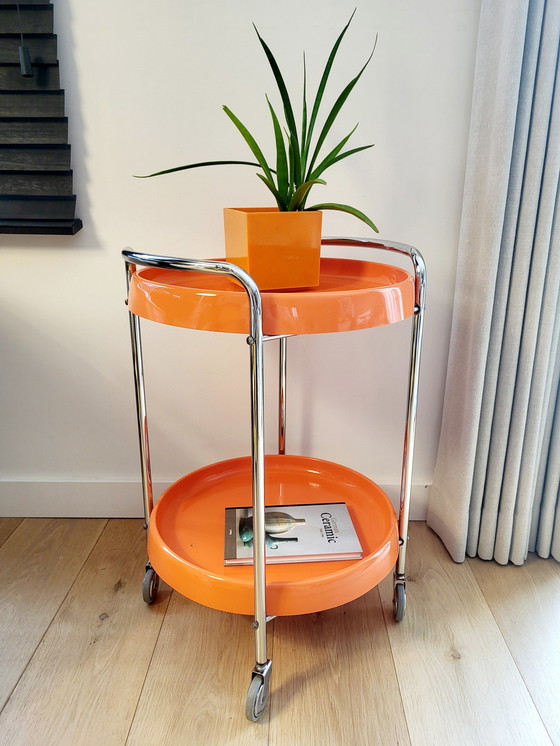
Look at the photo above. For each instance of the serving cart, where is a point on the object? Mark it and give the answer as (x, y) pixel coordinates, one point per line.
(186, 526)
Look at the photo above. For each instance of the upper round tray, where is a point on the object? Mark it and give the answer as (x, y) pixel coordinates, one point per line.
(352, 295)
(186, 536)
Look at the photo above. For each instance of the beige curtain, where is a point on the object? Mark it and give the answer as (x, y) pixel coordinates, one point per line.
(496, 484)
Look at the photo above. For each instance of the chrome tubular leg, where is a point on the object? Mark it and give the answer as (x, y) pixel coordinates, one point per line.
(260, 682)
(259, 688)
(408, 448)
(139, 388)
(257, 454)
(410, 430)
(283, 366)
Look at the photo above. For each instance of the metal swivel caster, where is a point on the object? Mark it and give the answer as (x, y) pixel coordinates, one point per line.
(399, 601)
(257, 698)
(150, 585)
(259, 690)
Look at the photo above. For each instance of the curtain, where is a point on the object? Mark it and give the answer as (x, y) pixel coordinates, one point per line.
(496, 483)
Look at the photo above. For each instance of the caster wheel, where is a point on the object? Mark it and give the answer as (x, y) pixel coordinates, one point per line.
(399, 602)
(150, 586)
(257, 697)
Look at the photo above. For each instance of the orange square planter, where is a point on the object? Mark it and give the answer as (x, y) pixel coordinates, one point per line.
(278, 249)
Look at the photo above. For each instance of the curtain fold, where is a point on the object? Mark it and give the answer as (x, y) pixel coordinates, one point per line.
(497, 477)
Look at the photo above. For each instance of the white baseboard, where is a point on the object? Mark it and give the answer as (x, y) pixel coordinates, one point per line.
(72, 499)
(120, 499)
(418, 500)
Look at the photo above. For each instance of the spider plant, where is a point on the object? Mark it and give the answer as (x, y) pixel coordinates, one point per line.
(300, 162)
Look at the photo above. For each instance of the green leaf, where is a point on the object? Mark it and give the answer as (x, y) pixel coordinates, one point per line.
(281, 159)
(198, 165)
(304, 112)
(251, 142)
(270, 184)
(331, 161)
(292, 162)
(339, 103)
(345, 208)
(288, 109)
(301, 193)
(320, 91)
(326, 162)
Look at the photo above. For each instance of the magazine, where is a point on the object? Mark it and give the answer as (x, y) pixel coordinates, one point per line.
(293, 533)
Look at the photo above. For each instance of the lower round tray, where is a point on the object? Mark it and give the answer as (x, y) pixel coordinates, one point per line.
(187, 530)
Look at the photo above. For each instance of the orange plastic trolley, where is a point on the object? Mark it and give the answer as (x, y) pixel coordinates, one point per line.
(186, 526)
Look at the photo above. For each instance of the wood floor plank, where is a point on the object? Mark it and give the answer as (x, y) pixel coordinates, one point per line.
(525, 602)
(458, 681)
(38, 564)
(83, 683)
(7, 528)
(334, 680)
(195, 689)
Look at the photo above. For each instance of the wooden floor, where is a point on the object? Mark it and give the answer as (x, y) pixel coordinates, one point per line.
(84, 661)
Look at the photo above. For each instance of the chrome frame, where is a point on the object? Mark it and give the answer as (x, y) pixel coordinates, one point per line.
(420, 278)
(282, 382)
(141, 409)
(256, 340)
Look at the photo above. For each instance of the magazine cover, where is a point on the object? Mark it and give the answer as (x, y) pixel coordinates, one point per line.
(294, 533)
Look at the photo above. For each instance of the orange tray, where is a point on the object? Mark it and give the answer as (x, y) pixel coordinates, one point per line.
(352, 295)
(187, 527)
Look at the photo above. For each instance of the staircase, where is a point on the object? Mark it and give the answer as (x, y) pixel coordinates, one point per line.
(36, 190)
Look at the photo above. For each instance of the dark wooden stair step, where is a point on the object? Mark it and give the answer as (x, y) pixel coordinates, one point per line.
(35, 19)
(32, 103)
(36, 183)
(42, 227)
(37, 208)
(24, 131)
(35, 157)
(42, 47)
(25, 2)
(45, 78)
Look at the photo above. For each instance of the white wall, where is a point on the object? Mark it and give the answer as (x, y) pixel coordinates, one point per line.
(144, 86)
